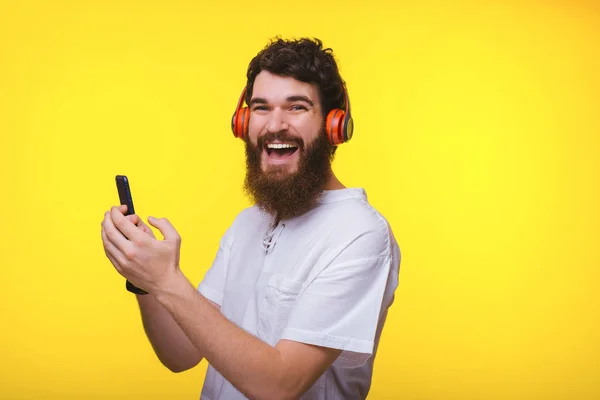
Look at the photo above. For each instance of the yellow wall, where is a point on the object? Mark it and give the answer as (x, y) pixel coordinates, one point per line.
(483, 117)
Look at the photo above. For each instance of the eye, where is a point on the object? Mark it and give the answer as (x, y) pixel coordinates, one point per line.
(297, 107)
(260, 108)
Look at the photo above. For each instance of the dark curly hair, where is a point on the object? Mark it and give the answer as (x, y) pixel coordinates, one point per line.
(305, 60)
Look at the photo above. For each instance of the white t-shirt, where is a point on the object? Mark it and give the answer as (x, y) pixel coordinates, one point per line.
(325, 278)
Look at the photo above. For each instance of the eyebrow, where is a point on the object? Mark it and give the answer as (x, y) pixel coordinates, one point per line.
(260, 100)
(300, 98)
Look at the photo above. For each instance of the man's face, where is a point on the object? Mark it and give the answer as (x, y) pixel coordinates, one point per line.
(287, 151)
(285, 115)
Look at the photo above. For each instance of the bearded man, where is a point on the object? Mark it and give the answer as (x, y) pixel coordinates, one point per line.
(297, 296)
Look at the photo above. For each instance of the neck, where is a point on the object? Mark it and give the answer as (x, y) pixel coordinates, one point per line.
(333, 183)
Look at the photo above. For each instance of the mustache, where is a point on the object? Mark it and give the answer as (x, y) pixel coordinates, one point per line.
(282, 136)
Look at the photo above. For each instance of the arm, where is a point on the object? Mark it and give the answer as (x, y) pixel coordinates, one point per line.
(252, 366)
(171, 345)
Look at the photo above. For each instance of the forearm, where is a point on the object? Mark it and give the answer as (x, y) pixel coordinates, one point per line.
(169, 342)
(252, 366)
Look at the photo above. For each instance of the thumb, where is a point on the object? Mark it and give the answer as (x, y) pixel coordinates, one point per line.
(165, 228)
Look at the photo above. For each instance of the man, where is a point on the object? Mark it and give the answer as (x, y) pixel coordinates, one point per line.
(297, 296)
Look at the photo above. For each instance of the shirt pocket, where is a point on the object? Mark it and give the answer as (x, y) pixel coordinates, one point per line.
(275, 307)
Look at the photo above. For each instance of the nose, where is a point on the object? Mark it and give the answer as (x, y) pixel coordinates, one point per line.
(277, 121)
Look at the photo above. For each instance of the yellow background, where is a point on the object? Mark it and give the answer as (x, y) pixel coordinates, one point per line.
(477, 136)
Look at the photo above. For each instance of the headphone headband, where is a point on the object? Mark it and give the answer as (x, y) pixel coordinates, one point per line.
(242, 98)
(348, 129)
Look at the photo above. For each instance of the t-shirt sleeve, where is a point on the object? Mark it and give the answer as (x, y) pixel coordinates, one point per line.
(343, 306)
(213, 284)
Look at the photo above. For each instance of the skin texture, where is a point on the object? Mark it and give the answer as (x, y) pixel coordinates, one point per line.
(175, 309)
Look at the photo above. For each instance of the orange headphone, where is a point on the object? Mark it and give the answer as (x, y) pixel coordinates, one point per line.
(339, 124)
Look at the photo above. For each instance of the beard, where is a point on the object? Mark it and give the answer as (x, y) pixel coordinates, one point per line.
(288, 194)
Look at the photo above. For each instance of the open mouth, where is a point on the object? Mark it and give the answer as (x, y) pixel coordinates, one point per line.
(280, 151)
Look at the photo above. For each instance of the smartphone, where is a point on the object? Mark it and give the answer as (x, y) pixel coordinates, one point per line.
(125, 193)
(126, 198)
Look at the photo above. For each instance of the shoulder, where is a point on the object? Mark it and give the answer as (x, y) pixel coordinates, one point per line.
(353, 224)
(246, 221)
(248, 215)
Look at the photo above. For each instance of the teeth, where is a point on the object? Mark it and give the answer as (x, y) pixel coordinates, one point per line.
(280, 146)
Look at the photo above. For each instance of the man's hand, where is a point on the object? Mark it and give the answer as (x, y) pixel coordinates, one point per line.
(134, 251)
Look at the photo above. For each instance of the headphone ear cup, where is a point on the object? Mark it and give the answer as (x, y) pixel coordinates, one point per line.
(239, 123)
(334, 126)
(347, 127)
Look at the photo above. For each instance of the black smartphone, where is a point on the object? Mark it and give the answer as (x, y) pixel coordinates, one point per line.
(126, 198)
(125, 193)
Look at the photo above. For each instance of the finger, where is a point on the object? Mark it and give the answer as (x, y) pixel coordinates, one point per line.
(165, 227)
(114, 235)
(145, 228)
(134, 219)
(128, 229)
(113, 254)
(114, 262)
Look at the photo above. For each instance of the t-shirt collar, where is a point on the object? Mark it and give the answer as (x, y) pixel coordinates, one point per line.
(330, 196)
